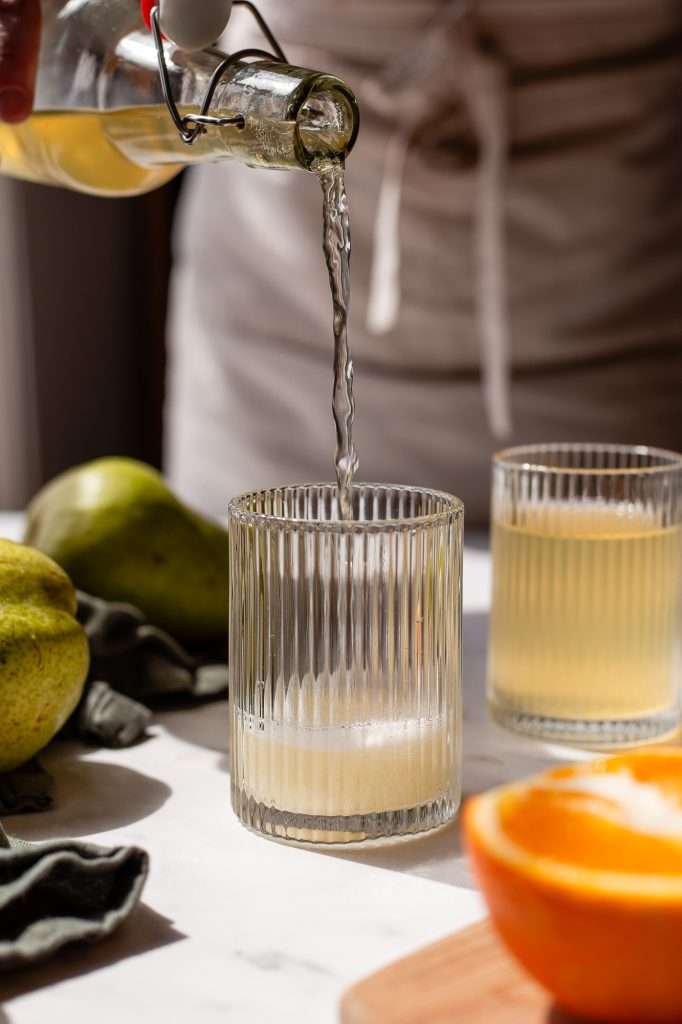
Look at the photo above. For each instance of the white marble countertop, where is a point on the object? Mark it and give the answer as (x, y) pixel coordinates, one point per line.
(234, 927)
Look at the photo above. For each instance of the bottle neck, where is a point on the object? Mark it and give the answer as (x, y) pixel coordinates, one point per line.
(96, 57)
(290, 117)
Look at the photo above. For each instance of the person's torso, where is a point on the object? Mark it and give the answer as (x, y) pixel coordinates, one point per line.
(592, 208)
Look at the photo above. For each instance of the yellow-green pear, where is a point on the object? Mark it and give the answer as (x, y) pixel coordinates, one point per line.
(121, 534)
(43, 652)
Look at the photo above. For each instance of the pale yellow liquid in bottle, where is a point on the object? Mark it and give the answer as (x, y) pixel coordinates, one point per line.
(586, 614)
(76, 150)
(128, 151)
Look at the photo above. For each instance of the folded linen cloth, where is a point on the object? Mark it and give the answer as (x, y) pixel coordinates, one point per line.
(28, 788)
(131, 662)
(63, 891)
(141, 661)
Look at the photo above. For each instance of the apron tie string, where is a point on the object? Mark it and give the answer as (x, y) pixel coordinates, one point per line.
(449, 62)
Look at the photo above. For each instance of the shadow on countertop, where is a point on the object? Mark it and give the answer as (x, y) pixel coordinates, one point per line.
(144, 931)
(423, 856)
(203, 725)
(90, 797)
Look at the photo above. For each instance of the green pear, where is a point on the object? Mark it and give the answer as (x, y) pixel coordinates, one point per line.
(43, 652)
(121, 534)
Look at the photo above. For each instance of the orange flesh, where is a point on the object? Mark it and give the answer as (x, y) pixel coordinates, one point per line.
(581, 870)
(577, 825)
(663, 769)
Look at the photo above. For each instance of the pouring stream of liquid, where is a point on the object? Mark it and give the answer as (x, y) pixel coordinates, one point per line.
(336, 245)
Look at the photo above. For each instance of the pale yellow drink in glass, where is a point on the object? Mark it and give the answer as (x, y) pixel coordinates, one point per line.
(586, 613)
(361, 768)
(345, 662)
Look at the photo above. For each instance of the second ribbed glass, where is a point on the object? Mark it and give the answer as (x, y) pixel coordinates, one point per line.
(345, 662)
(586, 621)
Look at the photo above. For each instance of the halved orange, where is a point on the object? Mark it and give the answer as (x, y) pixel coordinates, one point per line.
(581, 868)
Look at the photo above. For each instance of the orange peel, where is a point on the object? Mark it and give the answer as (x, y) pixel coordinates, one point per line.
(581, 868)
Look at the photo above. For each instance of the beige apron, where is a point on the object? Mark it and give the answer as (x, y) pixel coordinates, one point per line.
(516, 271)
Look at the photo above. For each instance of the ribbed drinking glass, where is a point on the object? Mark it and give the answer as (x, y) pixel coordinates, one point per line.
(345, 662)
(586, 619)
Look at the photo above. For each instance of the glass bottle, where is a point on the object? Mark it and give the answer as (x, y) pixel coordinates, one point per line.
(101, 124)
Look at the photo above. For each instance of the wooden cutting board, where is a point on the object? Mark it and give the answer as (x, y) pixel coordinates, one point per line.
(467, 978)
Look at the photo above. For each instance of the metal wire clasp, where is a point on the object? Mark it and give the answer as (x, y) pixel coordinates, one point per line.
(191, 126)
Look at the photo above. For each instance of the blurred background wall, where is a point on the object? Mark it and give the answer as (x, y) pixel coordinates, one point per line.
(19, 455)
(82, 310)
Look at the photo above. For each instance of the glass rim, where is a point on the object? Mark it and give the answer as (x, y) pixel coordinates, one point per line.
(505, 459)
(454, 510)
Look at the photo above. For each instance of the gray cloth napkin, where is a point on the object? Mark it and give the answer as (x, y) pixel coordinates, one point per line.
(63, 891)
(131, 663)
(28, 788)
(138, 662)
